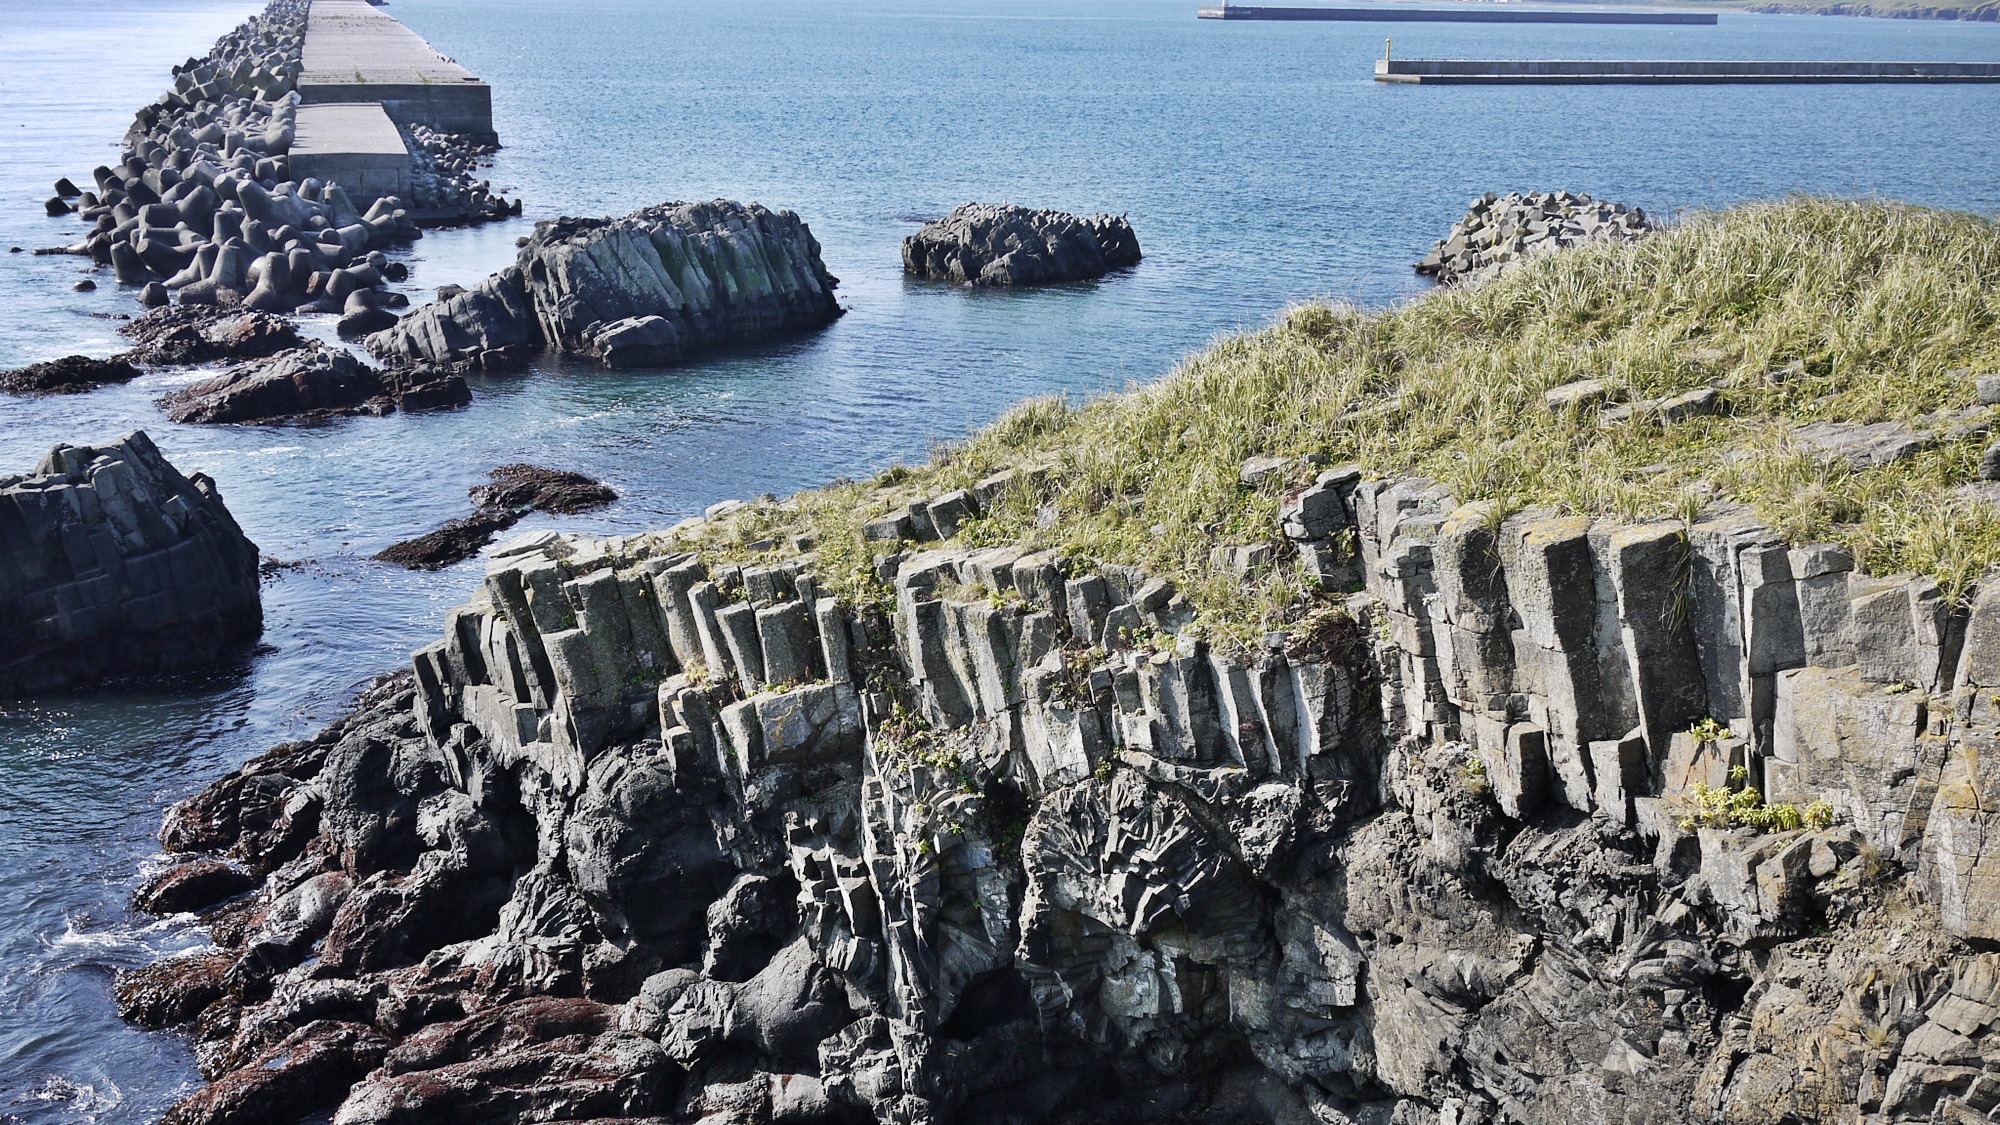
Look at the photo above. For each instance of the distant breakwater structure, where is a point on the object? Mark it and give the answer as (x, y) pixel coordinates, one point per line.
(1664, 72)
(309, 139)
(1464, 13)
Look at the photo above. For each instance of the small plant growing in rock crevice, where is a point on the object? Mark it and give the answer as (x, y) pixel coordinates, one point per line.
(1740, 805)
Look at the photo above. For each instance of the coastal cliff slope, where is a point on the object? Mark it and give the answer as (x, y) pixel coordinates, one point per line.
(1397, 717)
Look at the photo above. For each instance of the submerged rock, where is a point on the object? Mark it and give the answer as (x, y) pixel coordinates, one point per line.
(172, 336)
(515, 491)
(113, 563)
(69, 375)
(312, 382)
(1499, 232)
(987, 244)
(647, 289)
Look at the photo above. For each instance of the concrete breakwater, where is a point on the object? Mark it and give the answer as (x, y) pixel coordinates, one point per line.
(645, 289)
(1585, 72)
(354, 52)
(233, 189)
(1461, 13)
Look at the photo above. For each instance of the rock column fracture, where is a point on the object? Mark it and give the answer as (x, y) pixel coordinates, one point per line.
(113, 563)
(645, 835)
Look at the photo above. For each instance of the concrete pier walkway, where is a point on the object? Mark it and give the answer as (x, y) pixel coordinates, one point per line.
(1585, 72)
(355, 52)
(1463, 13)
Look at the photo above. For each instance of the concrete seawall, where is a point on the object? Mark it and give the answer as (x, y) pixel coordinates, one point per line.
(1461, 14)
(1584, 72)
(354, 52)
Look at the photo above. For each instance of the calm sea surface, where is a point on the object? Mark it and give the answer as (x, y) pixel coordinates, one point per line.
(1258, 162)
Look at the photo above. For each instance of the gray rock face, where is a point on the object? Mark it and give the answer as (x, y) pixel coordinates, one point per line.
(1435, 854)
(113, 563)
(989, 244)
(647, 289)
(1499, 232)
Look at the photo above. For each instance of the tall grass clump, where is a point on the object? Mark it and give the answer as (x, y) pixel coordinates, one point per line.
(1796, 311)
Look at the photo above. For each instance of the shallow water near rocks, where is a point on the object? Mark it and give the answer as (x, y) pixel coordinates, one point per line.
(1258, 162)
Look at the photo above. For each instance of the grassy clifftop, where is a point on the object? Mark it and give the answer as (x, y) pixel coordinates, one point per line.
(1795, 312)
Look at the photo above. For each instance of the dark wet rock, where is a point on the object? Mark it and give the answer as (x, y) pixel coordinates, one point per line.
(647, 289)
(175, 335)
(453, 542)
(989, 244)
(542, 1059)
(84, 286)
(516, 490)
(193, 885)
(533, 488)
(69, 375)
(311, 1069)
(310, 383)
(173, 991)
(113, 563)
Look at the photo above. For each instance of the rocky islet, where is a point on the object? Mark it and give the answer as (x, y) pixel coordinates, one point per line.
(512, 492)
(114, 564)
(647, 289)
(1008, 245)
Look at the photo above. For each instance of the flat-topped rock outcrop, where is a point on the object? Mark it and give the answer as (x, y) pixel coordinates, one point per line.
(113, 563)
(648, 289)
(989, 244)
(1499, 232)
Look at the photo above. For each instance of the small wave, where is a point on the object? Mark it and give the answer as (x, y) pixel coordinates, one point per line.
(90, 1098)
(83, 946)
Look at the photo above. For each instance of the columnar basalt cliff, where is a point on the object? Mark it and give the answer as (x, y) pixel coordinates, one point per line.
(112, 562)
(644, 836)
(643, 290)
(1002, 244)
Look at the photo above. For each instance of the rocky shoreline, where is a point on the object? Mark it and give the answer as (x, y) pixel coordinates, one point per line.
(1499, 232)
(648, 838)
